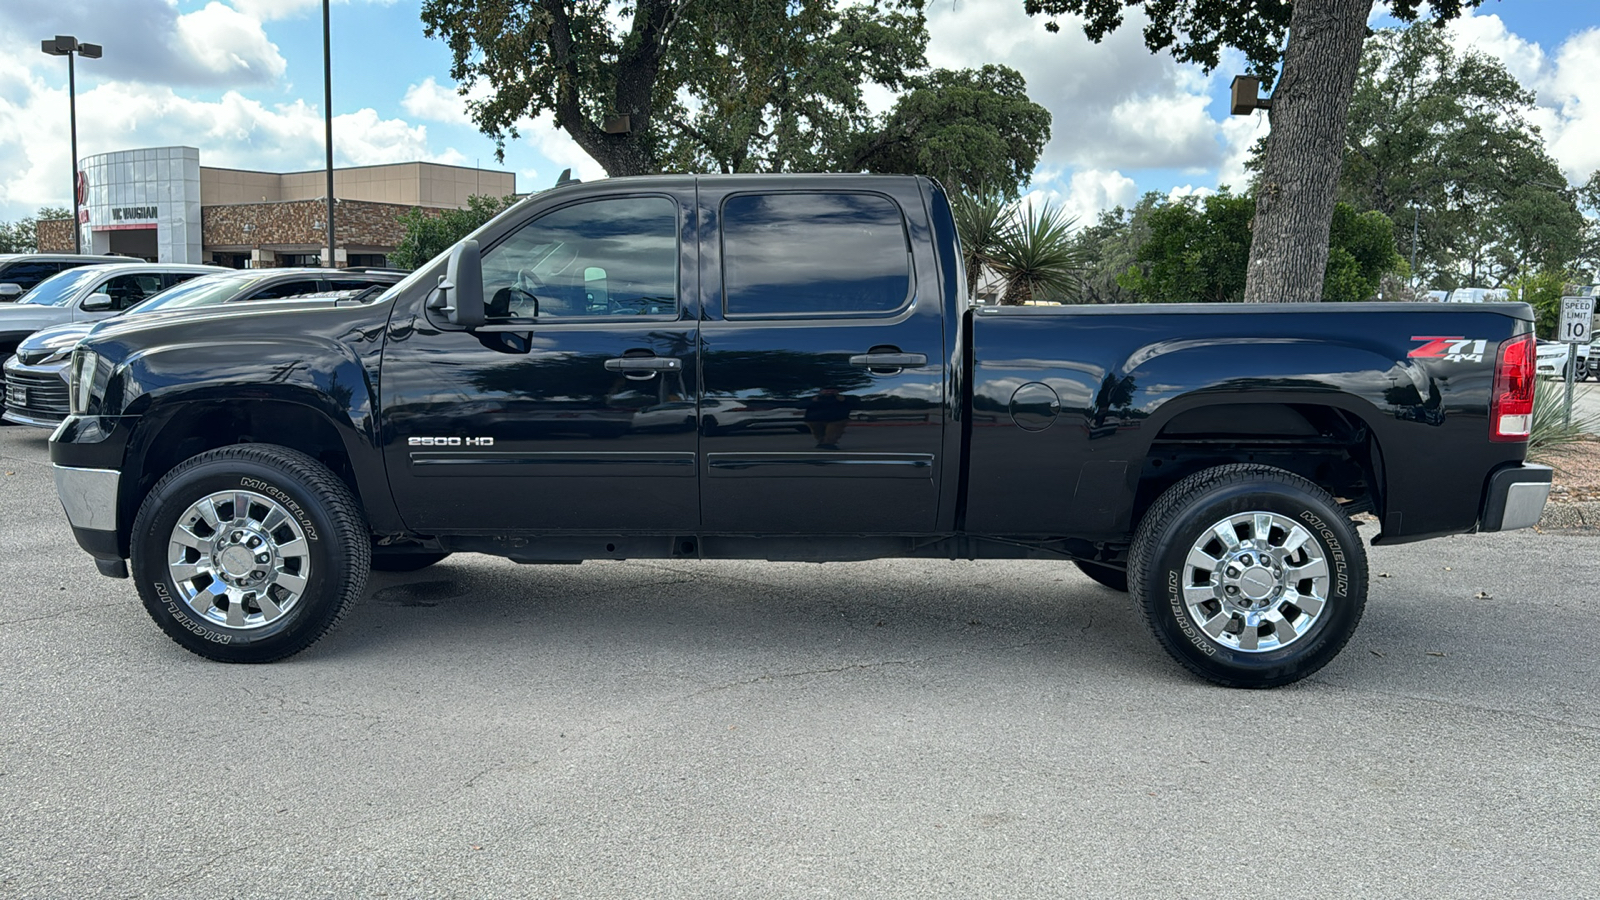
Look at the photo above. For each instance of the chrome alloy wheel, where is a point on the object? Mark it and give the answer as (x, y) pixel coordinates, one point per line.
(1255, 582)
(238, 559)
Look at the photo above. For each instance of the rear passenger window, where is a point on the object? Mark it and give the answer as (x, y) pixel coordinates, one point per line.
(813, 253)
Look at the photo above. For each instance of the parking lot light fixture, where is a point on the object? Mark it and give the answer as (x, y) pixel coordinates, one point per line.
(68, 46)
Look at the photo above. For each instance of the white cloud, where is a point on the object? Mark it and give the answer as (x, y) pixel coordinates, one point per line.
(554, 144)
(233, 131)
(222, 40)
(1088, 193)
(1574, 94)
(435, 102)
(1113, 104)
(150, 41)
(1487, 34)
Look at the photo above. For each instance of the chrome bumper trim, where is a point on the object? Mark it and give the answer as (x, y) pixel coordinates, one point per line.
(1524, 505)
(89, 496)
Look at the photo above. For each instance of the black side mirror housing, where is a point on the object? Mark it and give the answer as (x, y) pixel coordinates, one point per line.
(460, 292)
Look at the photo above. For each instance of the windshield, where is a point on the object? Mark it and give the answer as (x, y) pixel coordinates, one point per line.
(207, 290)
(59, 289)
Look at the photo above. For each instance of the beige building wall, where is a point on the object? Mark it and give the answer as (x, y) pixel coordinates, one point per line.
(226, 186)
(409, 184)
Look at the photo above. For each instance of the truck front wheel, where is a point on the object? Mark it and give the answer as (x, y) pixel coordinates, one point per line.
(249, 553)
(1250, 576)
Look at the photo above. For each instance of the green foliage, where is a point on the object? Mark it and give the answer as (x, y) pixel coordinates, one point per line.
(22, 236)
(981, 221)
(432, 232)
(1197, 31)
(1550, 430)
(1198, 251)
(740, 86)
(1037, 258)
(1443, 140)
(969, 129)
(1111, 246)
(1030, 247)
(1360, 252)
(1543, 291)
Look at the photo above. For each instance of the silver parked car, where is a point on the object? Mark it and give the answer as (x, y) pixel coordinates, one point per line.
(35, 382)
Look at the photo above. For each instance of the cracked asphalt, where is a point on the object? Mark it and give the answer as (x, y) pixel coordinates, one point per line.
(883, 729)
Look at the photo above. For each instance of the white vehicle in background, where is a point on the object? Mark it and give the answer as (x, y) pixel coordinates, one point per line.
(1478, 295)
(1553, 356)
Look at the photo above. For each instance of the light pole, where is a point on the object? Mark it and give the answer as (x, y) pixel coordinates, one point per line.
(327, 104)
(66, 45)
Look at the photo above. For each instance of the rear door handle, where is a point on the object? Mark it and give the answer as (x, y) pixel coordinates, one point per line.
(640, 368)
(889, 360)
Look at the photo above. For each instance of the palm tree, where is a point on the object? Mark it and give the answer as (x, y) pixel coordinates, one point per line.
(1037, 257)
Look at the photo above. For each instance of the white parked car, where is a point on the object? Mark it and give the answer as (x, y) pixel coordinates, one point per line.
(1553, 356)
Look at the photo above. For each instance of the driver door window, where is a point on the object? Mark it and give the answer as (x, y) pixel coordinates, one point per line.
(614, 257)
(123, 291)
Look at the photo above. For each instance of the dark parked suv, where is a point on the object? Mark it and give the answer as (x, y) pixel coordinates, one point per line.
(19, 272)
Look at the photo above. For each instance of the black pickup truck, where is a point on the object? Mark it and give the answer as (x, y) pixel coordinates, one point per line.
(787, 368)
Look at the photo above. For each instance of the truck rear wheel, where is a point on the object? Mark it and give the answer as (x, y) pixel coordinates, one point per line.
(249, 553)
(1250, 576)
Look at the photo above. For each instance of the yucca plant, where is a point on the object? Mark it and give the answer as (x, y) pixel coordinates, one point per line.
(1550, 430)
(981, 221)
(1038, 258)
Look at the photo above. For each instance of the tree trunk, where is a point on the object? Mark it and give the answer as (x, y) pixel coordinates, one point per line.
(1300, 168)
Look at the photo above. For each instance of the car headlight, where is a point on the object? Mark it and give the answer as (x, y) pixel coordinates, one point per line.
(56, 356)
(80, 385)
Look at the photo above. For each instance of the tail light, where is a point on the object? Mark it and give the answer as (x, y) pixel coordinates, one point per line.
(1511, 404)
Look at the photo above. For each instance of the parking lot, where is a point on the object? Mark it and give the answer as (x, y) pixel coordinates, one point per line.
(884, 729)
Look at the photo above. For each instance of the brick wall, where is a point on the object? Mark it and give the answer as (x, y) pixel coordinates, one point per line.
(356, 222)
(54, 235)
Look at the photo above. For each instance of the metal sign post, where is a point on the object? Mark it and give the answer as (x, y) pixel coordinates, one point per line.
(1577, 327)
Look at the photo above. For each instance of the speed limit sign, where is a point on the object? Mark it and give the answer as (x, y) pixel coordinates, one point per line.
(1577, 320)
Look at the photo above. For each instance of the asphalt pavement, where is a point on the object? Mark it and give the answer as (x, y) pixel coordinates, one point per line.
(745, 729)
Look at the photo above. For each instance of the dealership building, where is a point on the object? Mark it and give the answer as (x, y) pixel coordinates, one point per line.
(160, 204)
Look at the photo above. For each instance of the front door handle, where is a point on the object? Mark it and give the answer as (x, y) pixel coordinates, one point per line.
(889, 360)
(641, 368)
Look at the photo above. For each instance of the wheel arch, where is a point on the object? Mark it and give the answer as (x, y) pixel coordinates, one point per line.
(1330, 444)
(175, 430)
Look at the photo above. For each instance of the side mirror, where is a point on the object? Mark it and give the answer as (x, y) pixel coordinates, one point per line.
(11, 291)
(96, 303)
(460, 292)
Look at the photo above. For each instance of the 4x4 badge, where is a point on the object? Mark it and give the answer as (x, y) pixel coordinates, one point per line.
(1453, 348)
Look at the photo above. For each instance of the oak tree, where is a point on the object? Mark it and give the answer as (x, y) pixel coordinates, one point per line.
(740, 86)
(1315, 74)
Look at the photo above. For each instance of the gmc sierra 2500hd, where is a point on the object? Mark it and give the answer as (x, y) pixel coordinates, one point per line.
(787, 368)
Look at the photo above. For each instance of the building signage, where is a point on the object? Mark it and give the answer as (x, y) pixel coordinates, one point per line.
(119, 213)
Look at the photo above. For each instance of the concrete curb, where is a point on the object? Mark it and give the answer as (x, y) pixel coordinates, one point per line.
(1581, 515)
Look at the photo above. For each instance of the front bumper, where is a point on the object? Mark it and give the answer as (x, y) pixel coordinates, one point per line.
(46, 388)
(1515, 497)
(89, 497)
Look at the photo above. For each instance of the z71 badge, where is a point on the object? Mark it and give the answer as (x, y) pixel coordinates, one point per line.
(450, 442)
(1450, 349)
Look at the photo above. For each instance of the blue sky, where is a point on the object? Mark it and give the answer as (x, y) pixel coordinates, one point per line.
(242, 80)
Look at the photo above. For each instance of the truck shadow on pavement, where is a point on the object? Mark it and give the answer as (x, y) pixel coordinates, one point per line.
(814, 616)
